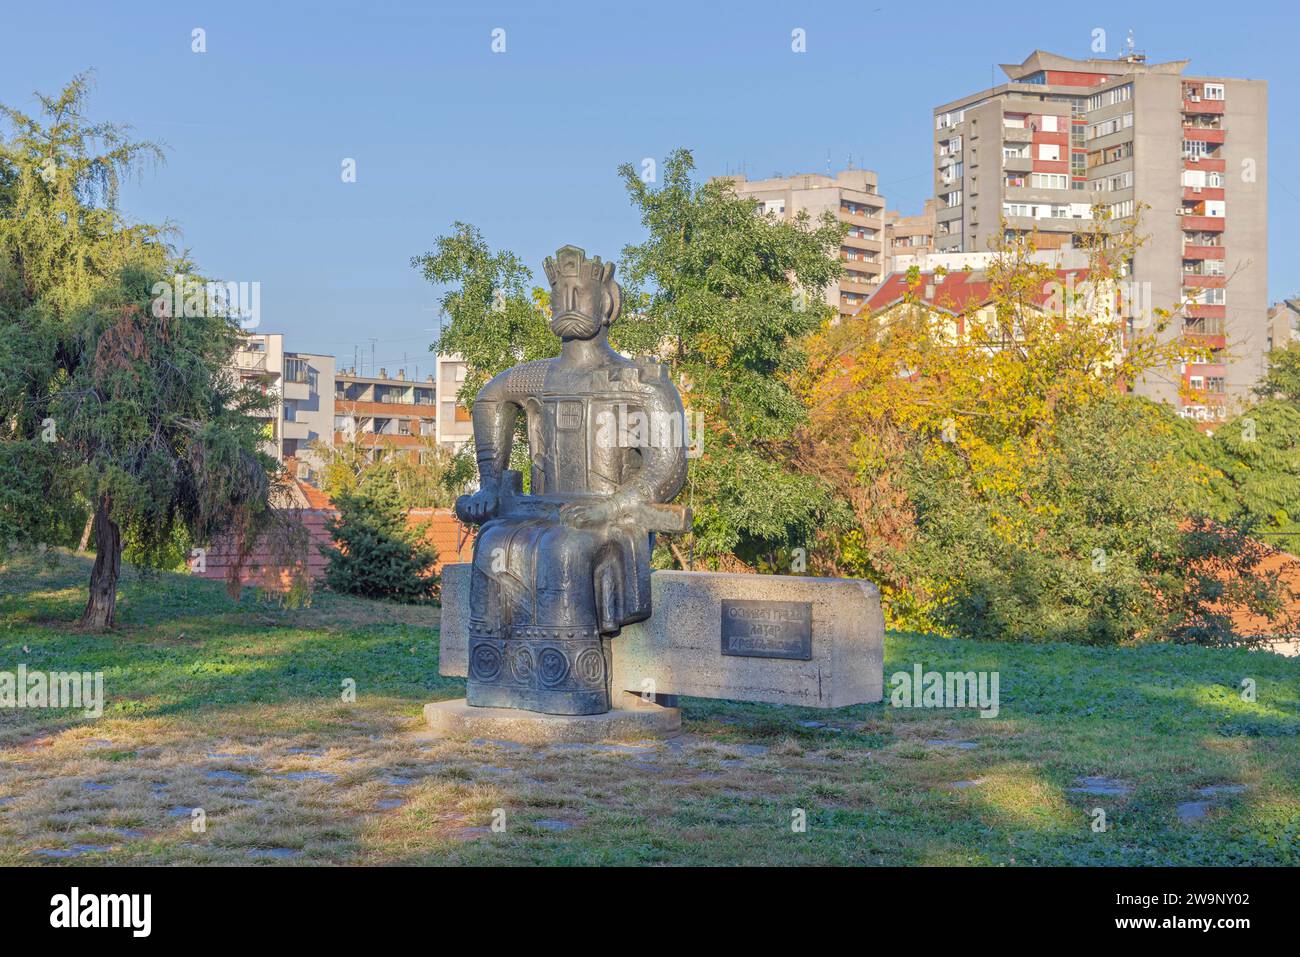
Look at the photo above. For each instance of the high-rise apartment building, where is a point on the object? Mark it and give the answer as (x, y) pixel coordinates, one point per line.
(851, 197)
(1189, 154)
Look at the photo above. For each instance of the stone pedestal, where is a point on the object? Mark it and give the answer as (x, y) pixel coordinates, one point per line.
(781, 639)
(456, 719)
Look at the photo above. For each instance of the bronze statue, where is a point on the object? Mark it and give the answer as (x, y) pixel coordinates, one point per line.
(558, 572)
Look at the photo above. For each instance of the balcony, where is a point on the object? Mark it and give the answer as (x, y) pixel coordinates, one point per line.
(294, 430)
(869, 245)
(295, 390)
(1018, 164)
(1199, 194)
(1205, 327)
(857, 281)
(1210, 164)
(1202, 106)
(1194, 280)
(1204, 224)
(1016, 134)
(1204, 134)
(250, 361)
(1205, 311)
(873, 221)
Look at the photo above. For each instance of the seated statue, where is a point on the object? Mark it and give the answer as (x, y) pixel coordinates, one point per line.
(558, 572)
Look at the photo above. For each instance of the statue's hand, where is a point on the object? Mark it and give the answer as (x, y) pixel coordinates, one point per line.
(477, 508)
(586, 514)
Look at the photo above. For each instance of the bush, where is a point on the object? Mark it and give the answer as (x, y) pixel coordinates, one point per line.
(375, 555)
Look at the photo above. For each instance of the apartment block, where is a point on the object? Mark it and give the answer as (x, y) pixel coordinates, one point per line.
(849, 195)
(301, 384)
(908, 237)
(1036, 154)
(384, 412)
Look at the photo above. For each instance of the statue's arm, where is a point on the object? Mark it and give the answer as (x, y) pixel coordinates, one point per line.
(495, 409)
(663, 459)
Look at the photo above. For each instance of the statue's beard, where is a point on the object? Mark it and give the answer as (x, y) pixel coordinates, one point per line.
(575, 325)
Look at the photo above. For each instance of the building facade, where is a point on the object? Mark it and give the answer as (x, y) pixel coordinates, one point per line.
(317, 406)
(909, 237)
(1283, 323)
(1187, 154)
(852, 198)
(383, 412)
(302, 385)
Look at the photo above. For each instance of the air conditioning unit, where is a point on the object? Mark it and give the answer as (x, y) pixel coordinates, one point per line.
(1194, 158)
(1196, 189)
(1194, 98)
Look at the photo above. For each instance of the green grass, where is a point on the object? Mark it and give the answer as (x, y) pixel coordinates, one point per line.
(197, 683)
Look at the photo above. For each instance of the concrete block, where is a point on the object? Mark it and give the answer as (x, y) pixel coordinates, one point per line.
(813, 642)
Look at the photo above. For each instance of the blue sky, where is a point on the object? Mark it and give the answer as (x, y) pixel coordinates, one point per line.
(524, 144)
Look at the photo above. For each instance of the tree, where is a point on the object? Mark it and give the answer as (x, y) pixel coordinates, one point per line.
(1002, 485)
(1253, 460)
(427, 476)
(108, 397)
(374, 554)
(720, 293)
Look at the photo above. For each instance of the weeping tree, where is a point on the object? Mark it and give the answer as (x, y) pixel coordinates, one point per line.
(111, 398)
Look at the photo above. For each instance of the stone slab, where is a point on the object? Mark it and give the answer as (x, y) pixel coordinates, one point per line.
(456, 719)
(680, 649)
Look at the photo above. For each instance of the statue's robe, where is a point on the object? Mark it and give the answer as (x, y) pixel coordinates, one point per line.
(546, 596)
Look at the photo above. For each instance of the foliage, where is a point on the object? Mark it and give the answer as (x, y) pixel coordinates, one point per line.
(426, 476)
(1003, 488)
(374, 554)
(104, 397)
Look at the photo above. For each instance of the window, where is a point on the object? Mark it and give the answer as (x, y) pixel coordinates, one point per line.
(1195, 148)
(1049, 123)
(1215, 207)
(1110, 97)
(1051, 181)
(1214, 91)
(295, 370)
(1049, 151)
(954, 199)
(1107, 127)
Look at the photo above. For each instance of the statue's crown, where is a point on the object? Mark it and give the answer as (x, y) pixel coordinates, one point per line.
(571, 267)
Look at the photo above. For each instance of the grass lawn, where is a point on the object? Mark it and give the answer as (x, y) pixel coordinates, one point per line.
(236, 708)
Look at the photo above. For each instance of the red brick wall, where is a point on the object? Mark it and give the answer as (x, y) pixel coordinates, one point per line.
(445, 533)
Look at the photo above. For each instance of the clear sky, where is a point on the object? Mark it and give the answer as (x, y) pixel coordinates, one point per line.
(525, 143)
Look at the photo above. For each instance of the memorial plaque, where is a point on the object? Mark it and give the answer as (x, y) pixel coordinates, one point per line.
(767, 629)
